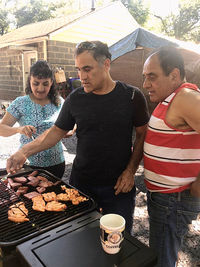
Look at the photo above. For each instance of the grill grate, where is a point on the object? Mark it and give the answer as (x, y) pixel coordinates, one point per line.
(14, 233)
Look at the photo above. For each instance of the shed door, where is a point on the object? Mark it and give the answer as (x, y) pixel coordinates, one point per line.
(29, 58)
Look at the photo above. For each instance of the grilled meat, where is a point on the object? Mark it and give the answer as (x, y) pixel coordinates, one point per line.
(70, 191)
(22, 190)
(38, 203)
(41, 178)
(34, 173)
(77, 200)
(21, 179)
(13, 197)
(56, 183)
(31, 194)
(18, 213)
(13, 184)
(34, 181)
(16, 185)
(45, 183)
(63, 197)
(49, 196)
(55, 206)
(10, 181)
(73, 195)
(41, 189)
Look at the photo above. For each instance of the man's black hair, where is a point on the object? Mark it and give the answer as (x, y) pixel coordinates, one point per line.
(170, 57)
(98, 49)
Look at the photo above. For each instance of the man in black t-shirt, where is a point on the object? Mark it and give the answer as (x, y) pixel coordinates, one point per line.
(106, 112)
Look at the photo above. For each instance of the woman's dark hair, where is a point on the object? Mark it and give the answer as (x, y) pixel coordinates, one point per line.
(41, 69)
(171, 58)
(98, 49)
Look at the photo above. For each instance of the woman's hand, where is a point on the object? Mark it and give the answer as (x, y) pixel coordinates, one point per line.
(27, 130)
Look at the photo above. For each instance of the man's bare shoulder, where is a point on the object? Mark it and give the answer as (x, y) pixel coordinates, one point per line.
(188, 92)
(187, 97)
(181, 111)
(186, 106)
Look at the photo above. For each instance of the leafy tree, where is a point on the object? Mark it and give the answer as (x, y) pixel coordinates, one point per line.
(195, 35)
(34, 11)
(138, 10)
(185, 25)
(4, 17)
(4, 22)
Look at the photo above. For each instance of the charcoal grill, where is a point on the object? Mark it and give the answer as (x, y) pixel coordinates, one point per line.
(12, 233)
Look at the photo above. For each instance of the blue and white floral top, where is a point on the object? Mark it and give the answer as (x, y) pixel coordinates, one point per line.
(42, 118)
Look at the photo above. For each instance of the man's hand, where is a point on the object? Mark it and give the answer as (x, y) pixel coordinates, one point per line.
(27, 130)
(71, 132)
(125, 182)
(195, 187)
(15, 162)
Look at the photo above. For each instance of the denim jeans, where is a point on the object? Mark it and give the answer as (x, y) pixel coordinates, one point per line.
(169, 217)
(122, 204)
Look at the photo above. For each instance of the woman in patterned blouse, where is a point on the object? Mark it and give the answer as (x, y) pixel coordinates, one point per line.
(38, 108)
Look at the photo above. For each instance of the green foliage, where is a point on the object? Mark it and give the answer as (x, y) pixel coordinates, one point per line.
(185, 24)
(4, 22)
(195, 35)
(34, 11)
(31, 11)
(4, 17)
(138, 10)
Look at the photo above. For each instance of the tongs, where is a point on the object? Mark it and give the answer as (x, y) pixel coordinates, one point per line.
(10, 175)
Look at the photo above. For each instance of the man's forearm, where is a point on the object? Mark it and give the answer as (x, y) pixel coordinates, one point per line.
(125, 182)
(46, 140)
(136, 157)
(137, 153)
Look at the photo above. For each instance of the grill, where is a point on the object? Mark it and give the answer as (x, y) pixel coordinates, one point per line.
(12, 233)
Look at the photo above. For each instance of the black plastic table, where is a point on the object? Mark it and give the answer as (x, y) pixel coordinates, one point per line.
(77, 244)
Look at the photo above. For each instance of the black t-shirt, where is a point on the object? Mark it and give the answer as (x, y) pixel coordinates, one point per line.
(104, 131)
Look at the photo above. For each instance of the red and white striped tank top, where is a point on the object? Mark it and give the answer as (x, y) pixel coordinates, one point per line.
(171, 156)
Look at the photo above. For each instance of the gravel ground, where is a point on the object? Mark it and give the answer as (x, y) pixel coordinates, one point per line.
(190, 254)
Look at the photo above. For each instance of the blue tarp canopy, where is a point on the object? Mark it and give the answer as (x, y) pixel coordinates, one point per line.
(139, 37)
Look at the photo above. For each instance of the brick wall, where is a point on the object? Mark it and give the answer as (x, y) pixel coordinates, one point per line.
(40, 51)
(61, 54)
(11, 77)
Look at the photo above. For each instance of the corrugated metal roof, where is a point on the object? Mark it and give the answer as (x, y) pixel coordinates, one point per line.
(109, 24)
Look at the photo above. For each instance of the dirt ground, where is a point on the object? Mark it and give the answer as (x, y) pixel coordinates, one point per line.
(190, 254)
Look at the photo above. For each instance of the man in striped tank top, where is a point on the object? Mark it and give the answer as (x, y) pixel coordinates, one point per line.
(171, 153)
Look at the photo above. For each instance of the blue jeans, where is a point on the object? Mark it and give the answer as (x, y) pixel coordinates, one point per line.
(169, 217)
(122, 204)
